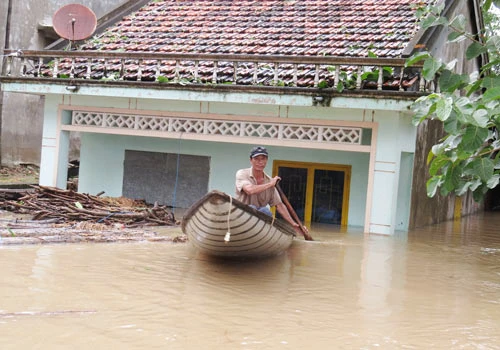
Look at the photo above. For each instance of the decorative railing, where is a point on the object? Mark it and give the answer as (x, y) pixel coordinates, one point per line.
(337, 73)
(219, 127)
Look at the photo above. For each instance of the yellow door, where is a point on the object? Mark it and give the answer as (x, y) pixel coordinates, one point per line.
(319, 193)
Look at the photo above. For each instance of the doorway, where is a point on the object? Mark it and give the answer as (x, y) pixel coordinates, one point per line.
(318, 192)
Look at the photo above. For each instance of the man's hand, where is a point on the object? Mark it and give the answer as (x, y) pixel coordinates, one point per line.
(299, 230)
(275, 180)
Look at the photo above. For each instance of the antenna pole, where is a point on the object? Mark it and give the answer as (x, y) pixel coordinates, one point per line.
(73, 20)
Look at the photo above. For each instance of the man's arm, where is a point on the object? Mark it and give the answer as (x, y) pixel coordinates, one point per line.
(254, 189)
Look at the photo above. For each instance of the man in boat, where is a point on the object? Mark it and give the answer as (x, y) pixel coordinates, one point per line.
(258, 190)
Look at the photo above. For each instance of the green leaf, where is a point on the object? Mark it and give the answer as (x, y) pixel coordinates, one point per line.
(490, 65)
(449, 81)
(369, 76)
(437, 9)
(452, 141)
(463, 102)
(418, 57)
(431, 67)
(494, 145)
(493, 181)
(430, 156)
(475, 184)
(456, 175)
(492, 94)
(438, 164)
(432, 21)
(456, 37)
(458, 23)
(443, 108)
(493, 43)
(451, 65)
(486, 5)
(473, 88)
(464, 110)
(432, 185)
(438, 149)
(323, 84)
(479, 193)
(78, 205)
(388, 71)
(481, 118)
(475, 49)
(444, 190)
(162, 79)
(340, 86)
(463, 156)
(451, 179)
(428, 22)
(490, 82)
(473, 137)
(423, 107)
(451, 124)
(483, 167)
(462, 188)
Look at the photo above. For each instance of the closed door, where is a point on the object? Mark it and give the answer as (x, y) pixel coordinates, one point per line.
(328, 196)
(319, 193)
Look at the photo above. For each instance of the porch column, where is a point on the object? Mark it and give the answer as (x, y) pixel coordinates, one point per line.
(384, 199)
(384, 175)
(55, 149)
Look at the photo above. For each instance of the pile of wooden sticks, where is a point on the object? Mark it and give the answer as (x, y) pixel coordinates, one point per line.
(43, 202)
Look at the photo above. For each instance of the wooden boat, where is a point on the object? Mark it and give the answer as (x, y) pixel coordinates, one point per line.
(222, 226)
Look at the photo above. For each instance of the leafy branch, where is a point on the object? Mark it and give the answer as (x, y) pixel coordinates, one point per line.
(467, 158)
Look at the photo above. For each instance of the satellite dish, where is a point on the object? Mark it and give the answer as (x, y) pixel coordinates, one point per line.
(74, 22)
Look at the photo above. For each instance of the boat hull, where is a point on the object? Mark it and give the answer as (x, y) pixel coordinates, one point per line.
(222, 226)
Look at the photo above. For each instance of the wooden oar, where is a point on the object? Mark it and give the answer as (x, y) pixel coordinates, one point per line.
(293, 214)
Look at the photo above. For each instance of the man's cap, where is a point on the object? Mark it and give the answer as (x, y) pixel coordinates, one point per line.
(258, 151)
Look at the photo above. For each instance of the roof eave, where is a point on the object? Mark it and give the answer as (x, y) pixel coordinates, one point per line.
(320, 96)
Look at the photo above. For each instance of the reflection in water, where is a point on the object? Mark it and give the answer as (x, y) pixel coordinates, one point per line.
(432, 288)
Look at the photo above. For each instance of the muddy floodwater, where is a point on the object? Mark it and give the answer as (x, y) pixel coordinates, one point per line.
(432, 288)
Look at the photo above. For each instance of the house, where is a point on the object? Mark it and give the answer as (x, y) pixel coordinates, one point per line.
(170, 99)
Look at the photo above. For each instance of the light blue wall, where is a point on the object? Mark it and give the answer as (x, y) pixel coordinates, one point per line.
(102, 159)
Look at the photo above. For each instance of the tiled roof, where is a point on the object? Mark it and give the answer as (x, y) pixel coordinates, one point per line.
(258, 43)
(265, 27)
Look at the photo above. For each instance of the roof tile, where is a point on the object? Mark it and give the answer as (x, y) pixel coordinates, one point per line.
(269, 27)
